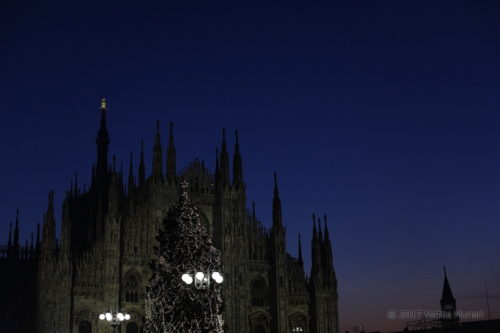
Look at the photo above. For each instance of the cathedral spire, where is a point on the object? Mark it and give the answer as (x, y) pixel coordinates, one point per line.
(237, 165)
(65, 230)
(276, 190)
(315, 232)
(320, 233)
(102, 142)
(217, 171)
(315, 250)
(92, 175)
(321, 246)
(300, 251)
(142, 167)
(9, 244)
(327, 255)
(277, 216)
(121, 171)
(157, 156)
(224, 161)
(326, 233)
(49, 232)
(131, 182)
(16, 231)
(37, 235)
(171, 158)
(314, 245)
(279, 281)
(254, 215)
(76, 183)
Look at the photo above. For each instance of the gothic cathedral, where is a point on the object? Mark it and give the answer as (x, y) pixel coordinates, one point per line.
(101, 260)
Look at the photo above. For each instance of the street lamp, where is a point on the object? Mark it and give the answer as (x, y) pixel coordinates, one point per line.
(202, 280)
(114, 318)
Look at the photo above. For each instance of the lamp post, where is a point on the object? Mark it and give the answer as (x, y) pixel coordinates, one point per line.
(202, 279)
(114, 318)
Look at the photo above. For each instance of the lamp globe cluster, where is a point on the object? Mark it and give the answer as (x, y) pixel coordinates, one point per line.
(201, 279)
(114, 318)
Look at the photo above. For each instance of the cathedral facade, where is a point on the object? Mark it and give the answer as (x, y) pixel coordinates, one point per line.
(101, 261)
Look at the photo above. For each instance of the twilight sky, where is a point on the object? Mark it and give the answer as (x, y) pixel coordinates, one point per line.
(382, 114)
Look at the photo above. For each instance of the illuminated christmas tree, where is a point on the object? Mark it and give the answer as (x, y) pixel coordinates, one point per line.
(184, 246)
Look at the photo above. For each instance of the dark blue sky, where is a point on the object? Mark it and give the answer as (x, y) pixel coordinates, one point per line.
(382, 114)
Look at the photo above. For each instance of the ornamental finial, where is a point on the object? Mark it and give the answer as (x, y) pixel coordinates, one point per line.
(103, 103)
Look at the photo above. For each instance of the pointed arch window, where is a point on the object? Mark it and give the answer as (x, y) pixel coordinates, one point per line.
(131, 290)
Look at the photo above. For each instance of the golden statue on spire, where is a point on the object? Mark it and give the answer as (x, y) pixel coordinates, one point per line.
(103, 103)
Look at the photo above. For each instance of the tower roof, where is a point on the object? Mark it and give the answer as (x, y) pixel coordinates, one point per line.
(447, 295)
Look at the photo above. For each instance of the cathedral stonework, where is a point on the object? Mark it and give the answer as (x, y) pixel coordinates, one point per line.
(101, 260)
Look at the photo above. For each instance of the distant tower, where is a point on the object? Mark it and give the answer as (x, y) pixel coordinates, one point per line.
(448, 302)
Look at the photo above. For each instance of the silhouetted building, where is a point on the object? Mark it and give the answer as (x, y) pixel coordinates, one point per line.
(101, 261)
(448, 319)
